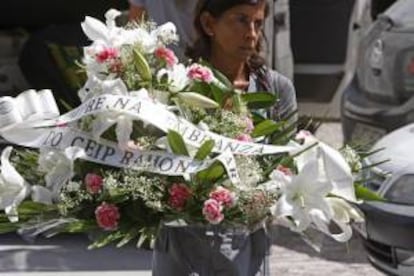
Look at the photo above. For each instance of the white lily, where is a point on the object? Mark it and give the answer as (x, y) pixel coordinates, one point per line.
(303, 195)
(13, 188)
(94, 87)
(91, 88)
(59, 167)
(110, 17)
(336, 168)
(343, 215)
(176, 77)
(278, 181)
(166, 33)
(112, 36)
(95, 30)
(109, 36)
(41, 194)
(123, 122)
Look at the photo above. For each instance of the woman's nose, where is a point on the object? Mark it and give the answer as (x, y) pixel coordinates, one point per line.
(252, 31)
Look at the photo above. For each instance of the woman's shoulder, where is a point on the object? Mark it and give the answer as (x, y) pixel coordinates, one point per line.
(279, 81)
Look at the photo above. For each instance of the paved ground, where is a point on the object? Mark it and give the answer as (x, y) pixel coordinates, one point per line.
(68, 255)
(292, 256)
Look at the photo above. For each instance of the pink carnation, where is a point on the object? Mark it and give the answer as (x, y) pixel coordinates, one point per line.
(223, 196)
(94, 183)
(200, 73)
(244, 137)
(107, 216)
(285, 170)
(179, 193)
(167, 55)
(107, 54)
(212, 211)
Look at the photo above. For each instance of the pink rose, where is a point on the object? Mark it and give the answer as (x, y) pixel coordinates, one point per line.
(107, 54)
(94, 183)
(223, 196)
(285, 170)
(179, 193)
(200, 73)
(107, 216)
(244, 137)
(212, 211)
(167, 55)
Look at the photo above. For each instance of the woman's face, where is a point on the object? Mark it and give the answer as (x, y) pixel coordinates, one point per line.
(237, 31)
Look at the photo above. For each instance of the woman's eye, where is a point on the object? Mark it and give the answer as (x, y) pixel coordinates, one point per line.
(258, 24)
(242, 19)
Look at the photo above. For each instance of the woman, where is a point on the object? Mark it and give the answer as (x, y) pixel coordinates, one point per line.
(230, 37)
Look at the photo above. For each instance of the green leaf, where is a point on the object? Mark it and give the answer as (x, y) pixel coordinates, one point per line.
(131, 234)
(142, 65)
(176, 142)
(142, 238)
(200, 87)
(218, 94)
(106, 239)
(80, 226)
(266, 127)
(257, 118)
(8, 227)
(239, 105)
(31, 207)
(204, 150)
(196, 99)
(259, 100)
(222, 78)
(214, 172)
(366, 194)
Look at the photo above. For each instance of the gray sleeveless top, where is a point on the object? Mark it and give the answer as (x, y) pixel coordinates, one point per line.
(283, 88)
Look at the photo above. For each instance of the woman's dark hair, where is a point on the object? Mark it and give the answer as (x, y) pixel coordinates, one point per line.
(202, 45)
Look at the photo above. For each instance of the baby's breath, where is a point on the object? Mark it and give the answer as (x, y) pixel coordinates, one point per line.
(226, 123)
(135, 185)
(352, 158)
(250, 171)
(72, 196)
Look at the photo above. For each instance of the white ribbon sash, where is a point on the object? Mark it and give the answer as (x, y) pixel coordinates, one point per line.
(108, 153)
(27, 107)
(32, 120)
(156, 114)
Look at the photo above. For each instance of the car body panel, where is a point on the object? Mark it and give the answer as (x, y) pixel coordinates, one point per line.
(389, 225)
(402, 14)
(398, 147)
(381, 94)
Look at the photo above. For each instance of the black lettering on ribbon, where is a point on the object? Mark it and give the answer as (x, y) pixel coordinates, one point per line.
(121, 102)
(53, 139)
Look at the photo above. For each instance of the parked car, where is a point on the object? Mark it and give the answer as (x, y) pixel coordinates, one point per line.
(389, 225)
(380, 97)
